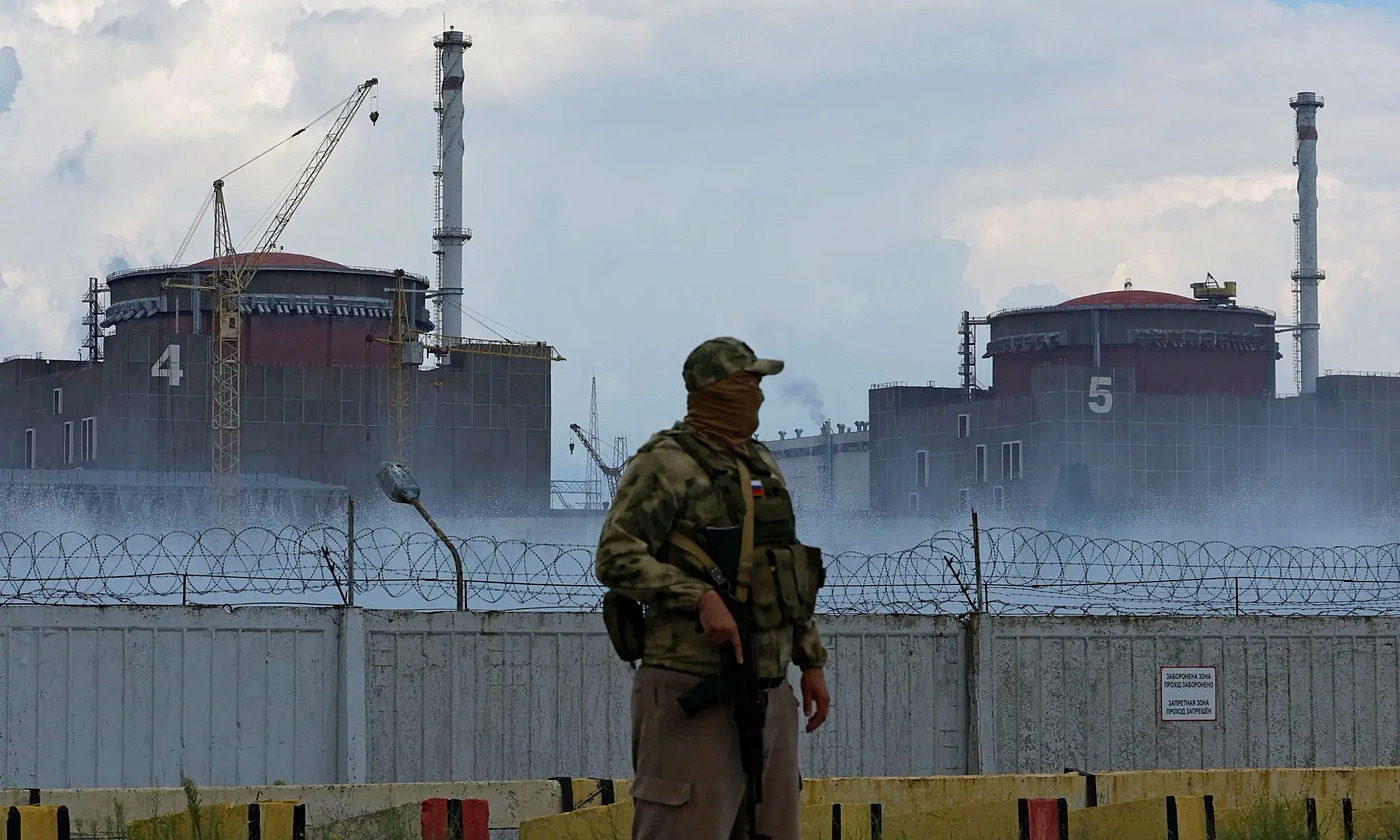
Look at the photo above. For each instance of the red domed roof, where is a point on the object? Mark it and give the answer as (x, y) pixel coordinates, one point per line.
(1128, 297)
(280, 259)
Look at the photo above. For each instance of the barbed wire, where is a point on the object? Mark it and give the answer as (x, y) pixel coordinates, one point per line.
(1022, 571)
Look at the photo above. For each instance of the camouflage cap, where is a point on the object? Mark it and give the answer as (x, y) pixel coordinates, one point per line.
(719, 358)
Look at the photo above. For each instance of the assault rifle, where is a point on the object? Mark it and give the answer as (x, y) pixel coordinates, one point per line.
(738, 681)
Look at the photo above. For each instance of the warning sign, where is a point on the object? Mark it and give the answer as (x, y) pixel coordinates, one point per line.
(1188, 693)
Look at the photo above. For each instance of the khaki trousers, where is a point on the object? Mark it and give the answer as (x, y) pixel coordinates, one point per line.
(689, 783)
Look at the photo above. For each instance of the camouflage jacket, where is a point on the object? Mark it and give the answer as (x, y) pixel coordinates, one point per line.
(665, 487)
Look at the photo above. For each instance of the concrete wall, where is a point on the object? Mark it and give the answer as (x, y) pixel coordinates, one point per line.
(503, 696)
(140, 696)
(1083, 692)
(121, 696)
(114, 697)
(899, 698)
(522, 696)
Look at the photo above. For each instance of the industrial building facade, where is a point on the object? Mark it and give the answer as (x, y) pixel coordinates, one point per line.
(1086, 440)
(828, 471)
(314, 402)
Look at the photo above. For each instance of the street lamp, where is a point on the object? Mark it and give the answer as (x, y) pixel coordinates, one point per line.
(399, 485)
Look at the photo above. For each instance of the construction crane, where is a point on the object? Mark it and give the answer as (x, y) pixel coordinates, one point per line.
(614, 474)
(230, 278)
(404, 352)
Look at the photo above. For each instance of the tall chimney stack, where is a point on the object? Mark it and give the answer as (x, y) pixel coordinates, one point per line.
(450, 234)
(1307, 275)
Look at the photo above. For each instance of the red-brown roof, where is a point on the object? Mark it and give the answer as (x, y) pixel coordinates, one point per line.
(281, 259)
(1127, 297)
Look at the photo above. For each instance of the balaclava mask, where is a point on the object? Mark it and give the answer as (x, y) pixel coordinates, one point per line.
(726, 410)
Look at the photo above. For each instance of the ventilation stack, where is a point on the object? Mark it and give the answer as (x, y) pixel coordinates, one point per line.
(1307, 275)
(450, 235)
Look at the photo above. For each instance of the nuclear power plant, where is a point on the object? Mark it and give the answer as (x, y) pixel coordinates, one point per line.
(284, 379)
(1136, 397)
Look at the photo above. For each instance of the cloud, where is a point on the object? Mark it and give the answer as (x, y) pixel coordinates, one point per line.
(10, 76)
(128, 29)
(31, 316)
(71, 167)
(1035, 294)
(642, 176)
(1161, 233)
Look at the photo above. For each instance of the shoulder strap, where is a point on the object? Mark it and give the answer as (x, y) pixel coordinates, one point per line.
(741, 590)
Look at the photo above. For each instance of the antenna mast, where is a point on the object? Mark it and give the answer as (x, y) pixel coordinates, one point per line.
(594, 477)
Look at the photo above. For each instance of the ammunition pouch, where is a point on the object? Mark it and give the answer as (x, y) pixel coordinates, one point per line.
(765, 600)
(626, 624)
(785, 585)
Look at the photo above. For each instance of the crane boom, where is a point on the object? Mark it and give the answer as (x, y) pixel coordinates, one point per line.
(315, 165)
(614, 474)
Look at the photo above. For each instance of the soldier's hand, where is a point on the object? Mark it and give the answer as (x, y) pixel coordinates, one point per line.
(814, 693)
(717, 623)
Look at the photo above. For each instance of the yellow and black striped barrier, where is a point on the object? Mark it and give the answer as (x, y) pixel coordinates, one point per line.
(1026, 819)
(1159, 818)
(576, 793)
(36, 822)
(228, 821)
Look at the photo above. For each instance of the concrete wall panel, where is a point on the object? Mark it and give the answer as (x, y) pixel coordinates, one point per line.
(899, 698)
(501, 696)
(1292, 692)
(521, 695)
(137, 696)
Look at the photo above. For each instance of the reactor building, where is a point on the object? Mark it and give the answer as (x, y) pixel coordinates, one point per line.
(315, 392)
(326, 386)
(1133, 398)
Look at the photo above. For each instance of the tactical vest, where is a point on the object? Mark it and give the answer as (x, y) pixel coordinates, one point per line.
(784, 576)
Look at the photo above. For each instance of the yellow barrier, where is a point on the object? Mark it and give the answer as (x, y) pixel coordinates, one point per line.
(1381, 823)
(227, 821)
(36, 822)
(1372, 790)
(615, 821)
(990, 821)
(1366, 787)
(927, 793)
(1323, 819)
(606, 821)
(841, 822)
(279, 821)
(861, 821)
(1163, 818)
(576, 793)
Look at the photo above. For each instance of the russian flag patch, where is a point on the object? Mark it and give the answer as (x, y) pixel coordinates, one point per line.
(757, 488)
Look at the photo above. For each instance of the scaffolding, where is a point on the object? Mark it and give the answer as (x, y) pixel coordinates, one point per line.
(92, 344)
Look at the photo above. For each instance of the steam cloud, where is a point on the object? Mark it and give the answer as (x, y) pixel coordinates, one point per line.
(9, 77)
(805, 391)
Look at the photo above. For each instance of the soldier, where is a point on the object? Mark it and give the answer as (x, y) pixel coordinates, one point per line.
(709, 471)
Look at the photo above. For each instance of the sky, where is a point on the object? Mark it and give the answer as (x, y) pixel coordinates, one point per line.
(832, 181)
